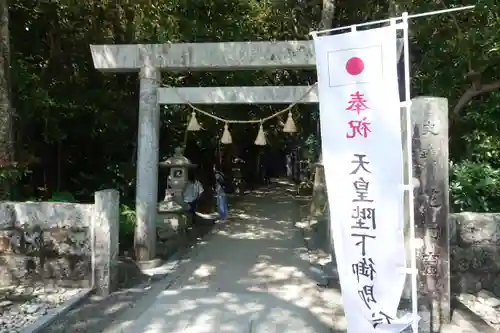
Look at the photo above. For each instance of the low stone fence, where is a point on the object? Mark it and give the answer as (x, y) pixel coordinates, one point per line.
(61, 243)
(475, 252)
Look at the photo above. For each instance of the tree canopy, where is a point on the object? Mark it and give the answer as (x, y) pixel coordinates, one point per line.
(75, 129)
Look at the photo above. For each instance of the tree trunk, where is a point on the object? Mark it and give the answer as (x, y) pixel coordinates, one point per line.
(327, 14)
(6, 118)
(319, 196)
(319, 189)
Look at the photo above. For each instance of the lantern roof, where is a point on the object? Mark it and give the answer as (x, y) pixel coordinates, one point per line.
(178, 160)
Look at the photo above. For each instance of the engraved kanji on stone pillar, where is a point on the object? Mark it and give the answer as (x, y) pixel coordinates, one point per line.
(430, 160)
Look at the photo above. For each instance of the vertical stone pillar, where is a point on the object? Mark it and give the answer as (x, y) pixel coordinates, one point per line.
(430, 158)
(148, 138)
(105, 231)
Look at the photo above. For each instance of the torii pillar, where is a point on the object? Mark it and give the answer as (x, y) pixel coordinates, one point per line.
(148, 147)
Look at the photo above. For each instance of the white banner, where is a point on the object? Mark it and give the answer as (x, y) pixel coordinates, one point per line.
(363, 160)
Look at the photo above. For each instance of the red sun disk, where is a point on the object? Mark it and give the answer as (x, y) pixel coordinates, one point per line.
(354, 66)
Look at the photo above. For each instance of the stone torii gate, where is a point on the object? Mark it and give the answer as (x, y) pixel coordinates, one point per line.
(150, 60)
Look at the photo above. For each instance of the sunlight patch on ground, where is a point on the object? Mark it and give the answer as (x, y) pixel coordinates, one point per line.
(210, 216)
(302, 224)
(207, 312)
(243, 216)
(255, 234)
(204, 271)
(276, 272)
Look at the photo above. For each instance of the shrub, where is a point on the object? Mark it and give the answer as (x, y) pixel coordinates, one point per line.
(127, 227)
(474, 187)
(62, 197)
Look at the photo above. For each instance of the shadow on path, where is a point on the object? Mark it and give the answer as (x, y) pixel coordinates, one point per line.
(250, 275)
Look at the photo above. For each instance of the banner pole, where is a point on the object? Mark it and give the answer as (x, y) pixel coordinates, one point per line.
(411, 206)
(436, 12)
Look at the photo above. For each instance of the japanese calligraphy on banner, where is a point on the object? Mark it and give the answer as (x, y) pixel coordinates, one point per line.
(363, 161)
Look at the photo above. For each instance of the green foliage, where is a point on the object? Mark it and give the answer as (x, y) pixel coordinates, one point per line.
(81, 125)
(12, 173)
(10, 178)
(62, 197)
(474, 187)
(127, 226)
(127, 219)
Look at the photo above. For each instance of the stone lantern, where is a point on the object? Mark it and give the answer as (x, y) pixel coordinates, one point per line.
(178, 175)
(238, 183)
(173, 221)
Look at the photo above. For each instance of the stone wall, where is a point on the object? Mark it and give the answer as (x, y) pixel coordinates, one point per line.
(475, 252)
(45, 241)
(60, 243)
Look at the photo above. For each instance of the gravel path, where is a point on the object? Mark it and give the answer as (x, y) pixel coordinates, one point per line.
(22, 306)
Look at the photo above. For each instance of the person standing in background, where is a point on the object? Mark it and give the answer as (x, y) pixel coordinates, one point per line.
(289, 170)
(192, 192)
(220, 194)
